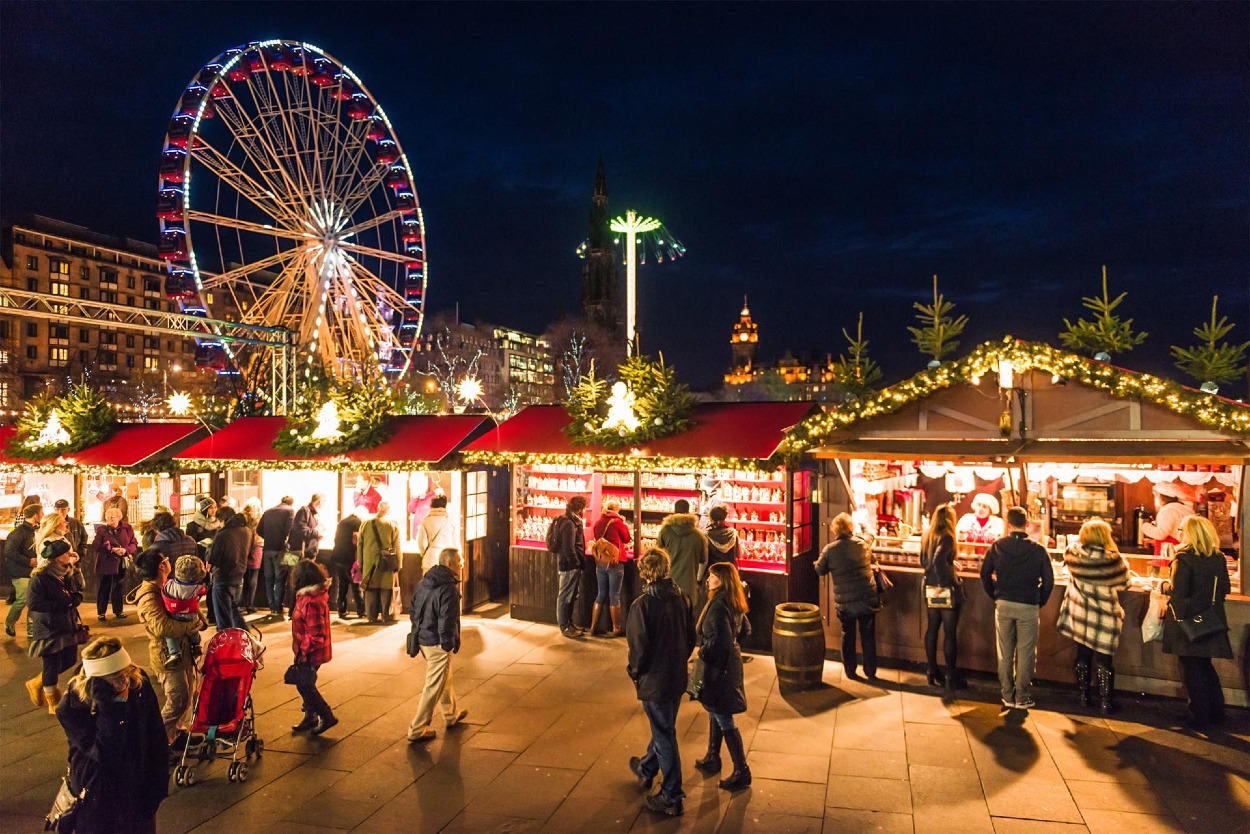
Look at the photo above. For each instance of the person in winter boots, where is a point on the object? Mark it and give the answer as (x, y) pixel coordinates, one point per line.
(310, 641)
(181, 597)
(435, 614)
(52, 620)
(661, 636)
(686, 546)
(610, 528)
(1090, 612)
(723, 694)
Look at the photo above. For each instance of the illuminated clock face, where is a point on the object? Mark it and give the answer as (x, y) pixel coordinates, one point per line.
(742, 337)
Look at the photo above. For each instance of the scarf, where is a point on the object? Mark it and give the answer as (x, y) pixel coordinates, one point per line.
(1093, 566)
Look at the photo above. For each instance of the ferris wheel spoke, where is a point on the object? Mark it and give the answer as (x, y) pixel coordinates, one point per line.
(272, 177)
(286, 131)
(247, 226)
(258, 194)
(281, 303)
(222, 279)
(348, 166)
(372, 223)
(379, 289)
(369, 251)
(246, 128)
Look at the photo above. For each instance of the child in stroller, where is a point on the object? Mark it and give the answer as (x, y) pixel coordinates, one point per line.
(181, 596)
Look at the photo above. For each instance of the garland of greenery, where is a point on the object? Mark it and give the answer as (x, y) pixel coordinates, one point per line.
(362, 410)
(83, 413)
(1217, 412)
(660, 403)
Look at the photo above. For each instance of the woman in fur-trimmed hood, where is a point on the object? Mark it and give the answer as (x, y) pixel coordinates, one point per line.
(1091, 613)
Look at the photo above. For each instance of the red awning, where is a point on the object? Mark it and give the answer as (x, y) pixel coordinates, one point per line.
(748, 431)
(419, 438)
(128, 446)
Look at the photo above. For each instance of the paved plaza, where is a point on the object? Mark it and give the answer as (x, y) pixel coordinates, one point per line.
(552, 724)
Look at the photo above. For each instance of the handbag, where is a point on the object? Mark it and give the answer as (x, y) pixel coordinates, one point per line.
(1205, 623)
(694, 685)
(299, 674)
(64, 808)
(356, 575)
(387, 561)
(606, 553)
(880, 580)
(290, 558)
(82, 632)
(939, 596)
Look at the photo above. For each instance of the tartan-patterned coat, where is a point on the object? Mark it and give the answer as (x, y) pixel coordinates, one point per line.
(1090, 612)
(310, 625)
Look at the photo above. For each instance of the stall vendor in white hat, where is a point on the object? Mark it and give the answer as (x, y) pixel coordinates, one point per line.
(982, 526)
(1172, 507)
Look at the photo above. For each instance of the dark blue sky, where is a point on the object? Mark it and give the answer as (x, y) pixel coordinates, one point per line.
(825, 158)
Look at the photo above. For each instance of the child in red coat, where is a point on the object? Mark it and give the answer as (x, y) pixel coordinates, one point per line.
(310, 641)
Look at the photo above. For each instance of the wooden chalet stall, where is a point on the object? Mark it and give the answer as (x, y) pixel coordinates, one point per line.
(1069, 439)
(416, 463)
(726, 457)
(134, 458)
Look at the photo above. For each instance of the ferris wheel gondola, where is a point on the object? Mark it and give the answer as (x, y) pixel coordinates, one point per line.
(284, 199)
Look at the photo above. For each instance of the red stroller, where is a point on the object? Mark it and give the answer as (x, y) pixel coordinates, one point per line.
(225, 723)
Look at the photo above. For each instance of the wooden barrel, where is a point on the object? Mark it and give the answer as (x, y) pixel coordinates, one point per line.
(798, 645)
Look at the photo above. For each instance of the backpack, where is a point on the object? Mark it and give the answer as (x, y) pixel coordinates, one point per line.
(553, 534)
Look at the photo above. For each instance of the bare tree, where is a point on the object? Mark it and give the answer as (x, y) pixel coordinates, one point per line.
(575, 343)
(449, 355)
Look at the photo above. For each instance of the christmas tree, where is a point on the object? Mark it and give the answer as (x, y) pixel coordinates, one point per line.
(1106, 333)
(855, 372)
(1212, 361)
(936, 337)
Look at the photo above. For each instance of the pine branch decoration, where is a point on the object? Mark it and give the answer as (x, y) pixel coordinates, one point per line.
(661, 404)
(1107, 333)
(936, 338)
(1213, 360)
(83, 412)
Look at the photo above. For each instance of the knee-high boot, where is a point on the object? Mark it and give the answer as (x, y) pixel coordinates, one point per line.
(741, 777)
(618, 628)
(1106, 690)
(710, 763)
(1082, 682)
(594, 620)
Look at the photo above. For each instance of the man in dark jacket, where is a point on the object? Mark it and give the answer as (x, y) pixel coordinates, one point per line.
(274, 528)
(228, 558)
(436, 623)
(342, 557)
(306, 529)
(660, 631)
(19, 559)
(568, 537)
(1017, 575)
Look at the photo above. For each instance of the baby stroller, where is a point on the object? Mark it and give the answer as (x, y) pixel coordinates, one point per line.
(225, 723)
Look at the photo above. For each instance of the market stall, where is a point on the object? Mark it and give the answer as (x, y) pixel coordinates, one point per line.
(1067, 438)
(129, 463)
(726, 457)
(414, 465)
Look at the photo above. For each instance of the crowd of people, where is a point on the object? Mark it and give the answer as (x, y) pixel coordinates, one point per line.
(691, 605)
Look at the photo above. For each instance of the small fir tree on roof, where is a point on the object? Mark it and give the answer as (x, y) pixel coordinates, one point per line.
(1106, 333)
(1213, 360)
(936, 338)
(855, 371)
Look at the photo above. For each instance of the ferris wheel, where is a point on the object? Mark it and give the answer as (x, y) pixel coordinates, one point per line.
(303, 214)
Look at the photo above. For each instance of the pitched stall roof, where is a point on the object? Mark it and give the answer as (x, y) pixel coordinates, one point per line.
(719, 431)
(128, 447)
(247, 443)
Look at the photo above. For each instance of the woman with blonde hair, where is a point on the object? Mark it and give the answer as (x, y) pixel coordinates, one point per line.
(722, 694)
(848, 562)
(943, 603)
(1199, 583)
(1091, 613)
(117, 752)
(53, 526)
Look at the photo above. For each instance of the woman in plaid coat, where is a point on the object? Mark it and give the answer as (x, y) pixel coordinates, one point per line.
(1090, 612)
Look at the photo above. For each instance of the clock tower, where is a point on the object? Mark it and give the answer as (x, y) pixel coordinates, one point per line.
(745, 339)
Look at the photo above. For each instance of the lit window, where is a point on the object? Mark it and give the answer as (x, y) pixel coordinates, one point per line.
(4, 358)
(4, 393)
(475, 506)
(60, 288)
(151, 363)
(58, 355)
(60, 268)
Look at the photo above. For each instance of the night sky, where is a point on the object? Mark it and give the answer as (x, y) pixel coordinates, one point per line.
(824, 158)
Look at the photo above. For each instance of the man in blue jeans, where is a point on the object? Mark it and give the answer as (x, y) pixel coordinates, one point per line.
(274, 528)
(660, 631)
(1017, 575)
(568, 540)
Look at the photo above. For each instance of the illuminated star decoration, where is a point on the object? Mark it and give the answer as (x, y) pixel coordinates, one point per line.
(327, 423)
(469, 389)
(52, 433)
(179, 404)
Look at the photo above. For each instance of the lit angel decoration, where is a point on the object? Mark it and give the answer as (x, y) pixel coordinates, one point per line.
(621, 414)
(52, 433)
(328, 422)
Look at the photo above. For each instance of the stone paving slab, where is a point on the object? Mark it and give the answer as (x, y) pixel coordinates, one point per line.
(553, 722)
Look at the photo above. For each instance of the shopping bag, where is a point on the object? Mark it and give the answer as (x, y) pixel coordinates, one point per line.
(1152, 625)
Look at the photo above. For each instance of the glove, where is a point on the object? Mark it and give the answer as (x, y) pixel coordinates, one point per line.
(101, 690)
